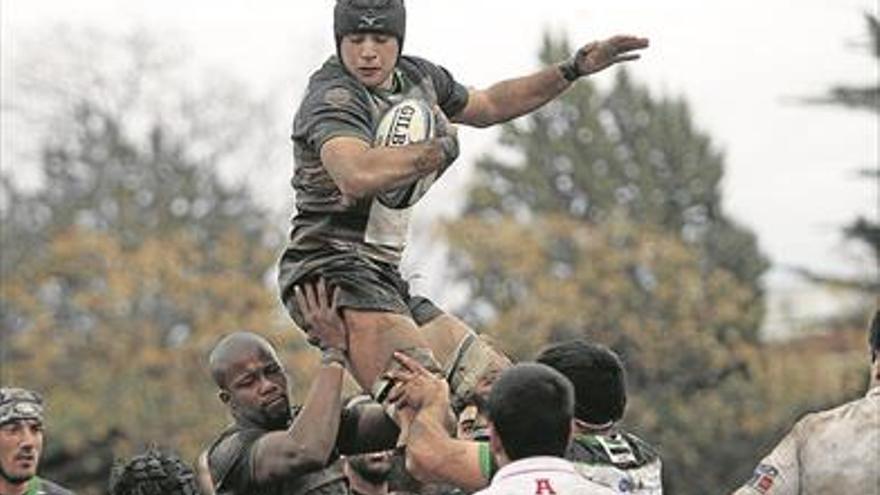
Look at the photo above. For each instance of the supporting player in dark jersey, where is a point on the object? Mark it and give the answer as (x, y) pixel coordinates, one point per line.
(21, 443)
(271, 448)
(353, 200)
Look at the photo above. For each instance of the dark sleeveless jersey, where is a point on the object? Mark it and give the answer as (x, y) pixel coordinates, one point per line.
(230, 462)
(335, 105)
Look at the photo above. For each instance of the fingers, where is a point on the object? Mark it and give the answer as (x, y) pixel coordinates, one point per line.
(321, 291)
(334, 299)
(410, 364)
(627, 43)
(313, 297)
(300, 299)
(397, 393)
(310, 299)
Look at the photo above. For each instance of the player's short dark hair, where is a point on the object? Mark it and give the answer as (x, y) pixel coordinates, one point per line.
(874, 336)
(153, 473)
(530, 408)
(597, 375)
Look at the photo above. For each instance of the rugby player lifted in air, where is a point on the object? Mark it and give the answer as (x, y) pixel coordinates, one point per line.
(353, 199)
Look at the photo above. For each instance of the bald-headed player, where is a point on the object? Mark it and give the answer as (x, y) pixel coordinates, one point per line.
(271, 448)
(353, 200)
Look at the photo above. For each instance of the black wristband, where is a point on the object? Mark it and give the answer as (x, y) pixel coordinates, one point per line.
(569, 70)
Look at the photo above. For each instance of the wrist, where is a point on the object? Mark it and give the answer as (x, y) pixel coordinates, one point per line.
(569, 71)
(449, 147)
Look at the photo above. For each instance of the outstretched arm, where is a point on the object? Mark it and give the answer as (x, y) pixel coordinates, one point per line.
(432, 455)
(512, 98)
(306, 446)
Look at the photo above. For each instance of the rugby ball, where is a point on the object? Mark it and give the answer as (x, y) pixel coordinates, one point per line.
(407, 122)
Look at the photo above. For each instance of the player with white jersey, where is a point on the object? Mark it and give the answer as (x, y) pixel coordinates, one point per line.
(352, 196)
(542, 476)
(531, 408)
(834, 451)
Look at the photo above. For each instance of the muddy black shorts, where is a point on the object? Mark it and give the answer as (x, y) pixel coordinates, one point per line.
(364, 283)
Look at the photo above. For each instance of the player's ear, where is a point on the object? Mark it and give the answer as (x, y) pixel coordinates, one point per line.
(495, 442)
(224, 396)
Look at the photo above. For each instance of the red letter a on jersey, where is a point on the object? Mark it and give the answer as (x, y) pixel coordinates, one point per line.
(544, 487)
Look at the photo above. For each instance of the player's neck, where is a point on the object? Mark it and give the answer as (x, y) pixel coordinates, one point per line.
(584, 428)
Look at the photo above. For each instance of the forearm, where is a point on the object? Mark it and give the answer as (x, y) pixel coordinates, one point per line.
(307, 444)
(512, 98)
(432, 455)
(373, 170)
(316, 425)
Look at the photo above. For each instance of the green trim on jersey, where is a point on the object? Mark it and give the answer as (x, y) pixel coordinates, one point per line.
(488, 466)
(33, 486)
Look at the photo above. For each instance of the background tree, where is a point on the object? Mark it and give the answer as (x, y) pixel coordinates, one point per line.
(132, 256)
(861, 231)
(592, 155)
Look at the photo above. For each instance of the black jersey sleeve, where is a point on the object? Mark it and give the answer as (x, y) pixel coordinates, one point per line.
(332, 108)
(452, 96)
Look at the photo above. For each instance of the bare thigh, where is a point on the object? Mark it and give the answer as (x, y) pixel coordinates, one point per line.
(374, 336)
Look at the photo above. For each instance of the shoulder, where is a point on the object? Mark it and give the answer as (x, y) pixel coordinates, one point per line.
(846, 419)
(332, 76)
(419, 68)
(49, 488)
(621, 449)
(331, 86)
(644, 450)
(818, 420)
(230, 450)
(412, 61)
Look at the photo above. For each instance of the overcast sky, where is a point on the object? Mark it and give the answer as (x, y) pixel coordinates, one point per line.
(790, 169)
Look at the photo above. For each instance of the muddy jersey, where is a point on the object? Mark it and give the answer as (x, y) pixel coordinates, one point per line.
(834, 451)
(230, 460)
(619, 461)
(336, 105)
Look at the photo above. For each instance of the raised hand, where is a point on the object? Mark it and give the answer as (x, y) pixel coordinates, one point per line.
(415, 386)
(325, 326)
(600, 55)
